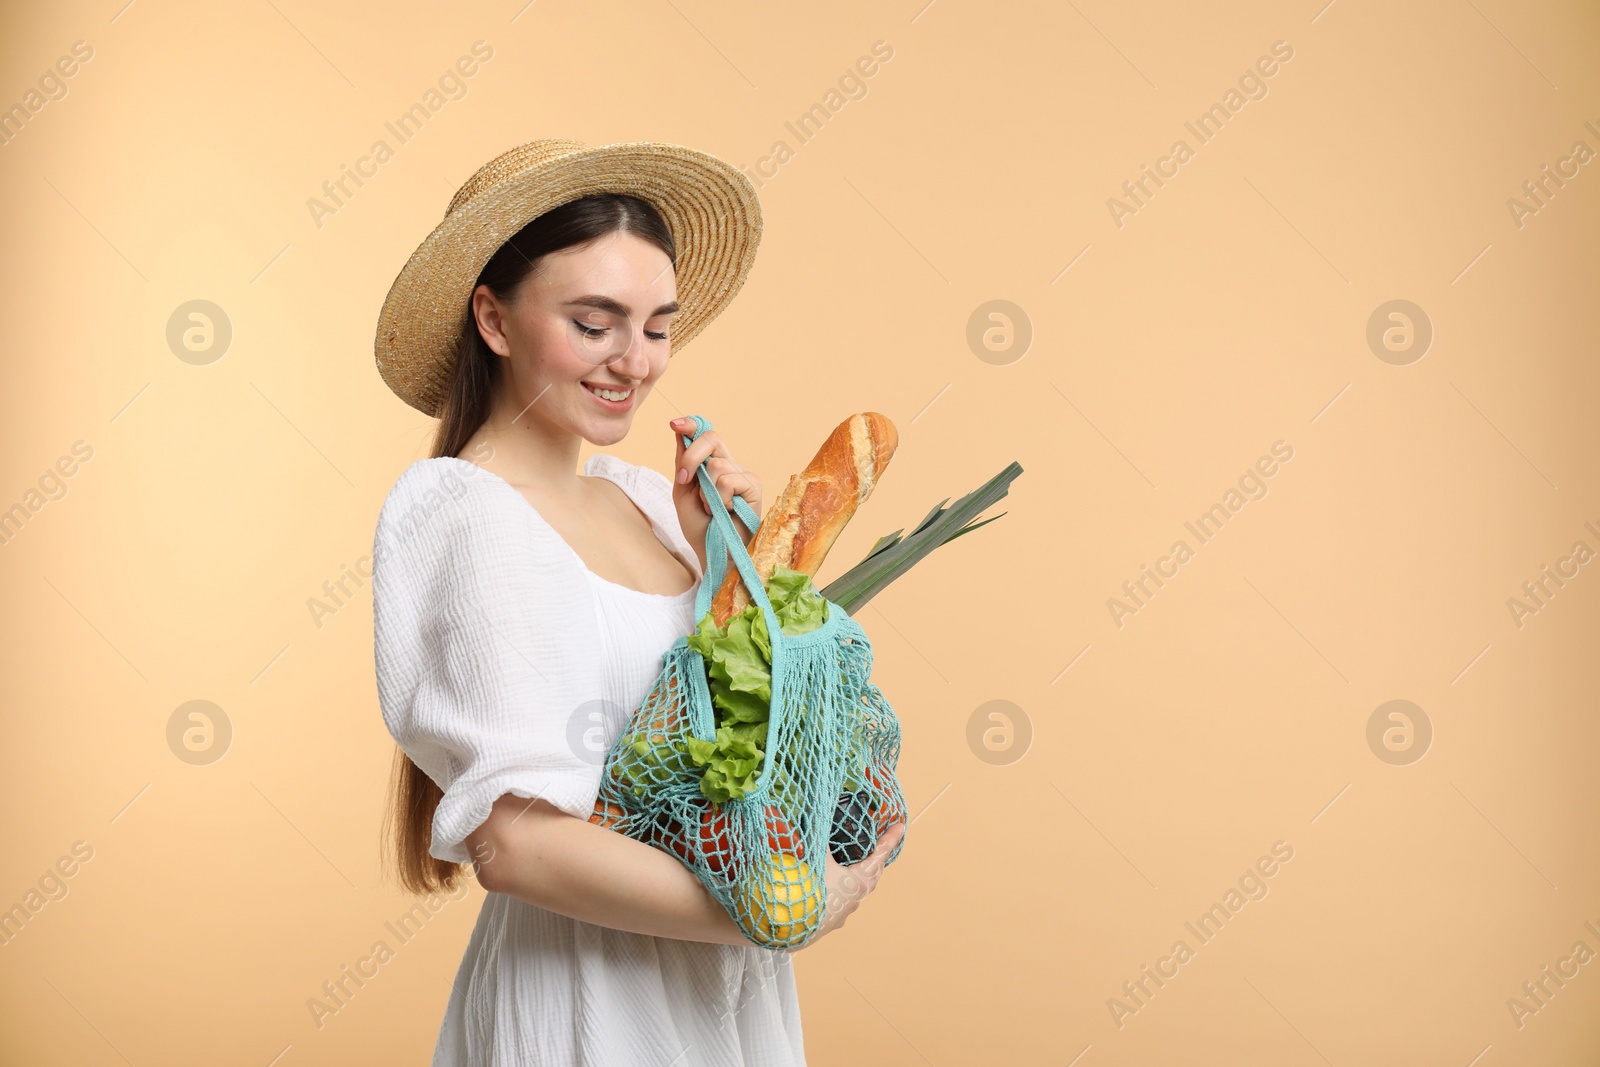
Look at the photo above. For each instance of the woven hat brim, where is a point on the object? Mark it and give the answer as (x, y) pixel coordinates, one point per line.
(709, 205)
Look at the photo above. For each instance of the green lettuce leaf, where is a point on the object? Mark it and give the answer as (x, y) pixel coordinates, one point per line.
(738, 663)
(799, 608)
(738, 659)
(753, 732)
(739, 708)
(641, 762)
(731, 764)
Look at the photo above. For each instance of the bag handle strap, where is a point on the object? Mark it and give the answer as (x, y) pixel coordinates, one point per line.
(721, 541)
(721, 537)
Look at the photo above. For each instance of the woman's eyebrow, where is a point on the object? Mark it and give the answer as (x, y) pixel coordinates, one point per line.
(606, 303)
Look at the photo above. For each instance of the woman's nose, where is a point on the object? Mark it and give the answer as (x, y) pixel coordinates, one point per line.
(632, 362)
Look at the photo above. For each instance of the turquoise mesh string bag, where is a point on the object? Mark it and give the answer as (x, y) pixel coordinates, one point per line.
(753, 767)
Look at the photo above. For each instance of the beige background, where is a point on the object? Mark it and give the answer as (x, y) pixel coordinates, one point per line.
(1226, 314)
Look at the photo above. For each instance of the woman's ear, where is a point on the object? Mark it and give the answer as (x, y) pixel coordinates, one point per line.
(489, 314)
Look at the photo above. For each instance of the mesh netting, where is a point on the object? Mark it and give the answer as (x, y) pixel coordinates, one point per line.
(753, 777)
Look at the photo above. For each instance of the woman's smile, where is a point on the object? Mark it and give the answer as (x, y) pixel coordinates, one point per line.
(612, 400)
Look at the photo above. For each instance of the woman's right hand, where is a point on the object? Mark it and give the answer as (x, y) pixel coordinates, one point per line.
(849, 886)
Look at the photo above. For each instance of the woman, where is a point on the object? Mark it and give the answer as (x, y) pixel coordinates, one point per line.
(521, 608)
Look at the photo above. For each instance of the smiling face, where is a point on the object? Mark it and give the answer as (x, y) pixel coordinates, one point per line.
(593, 316)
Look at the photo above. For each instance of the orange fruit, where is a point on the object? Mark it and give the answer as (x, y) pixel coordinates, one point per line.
(607, 814)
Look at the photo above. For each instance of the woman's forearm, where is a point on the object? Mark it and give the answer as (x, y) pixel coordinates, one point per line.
(546, 857)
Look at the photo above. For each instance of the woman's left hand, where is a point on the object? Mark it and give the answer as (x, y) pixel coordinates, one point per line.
(729, 476)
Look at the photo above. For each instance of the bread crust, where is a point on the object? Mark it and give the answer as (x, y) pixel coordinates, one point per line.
(806, 519)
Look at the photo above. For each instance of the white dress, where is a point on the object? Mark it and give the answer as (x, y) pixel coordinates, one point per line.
(504, 665)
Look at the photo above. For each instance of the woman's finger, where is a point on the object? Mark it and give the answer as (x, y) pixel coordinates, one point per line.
(733, 482)
(701, 449)
(688, 463)
(714, 454)
(684, 469)
(886, 843)
(689, 457)
(708, 448)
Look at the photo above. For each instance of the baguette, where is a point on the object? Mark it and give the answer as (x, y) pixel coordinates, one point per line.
(802, 524)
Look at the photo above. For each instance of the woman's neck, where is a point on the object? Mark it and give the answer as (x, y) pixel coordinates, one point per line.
(524, 449)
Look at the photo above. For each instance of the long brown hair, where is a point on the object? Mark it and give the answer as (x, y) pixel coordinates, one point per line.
(474, 379)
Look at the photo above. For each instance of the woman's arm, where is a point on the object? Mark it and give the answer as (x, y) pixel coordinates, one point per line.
(543, 856)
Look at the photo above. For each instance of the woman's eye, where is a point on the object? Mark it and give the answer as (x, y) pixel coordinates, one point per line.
(655, 336)
(589, 331)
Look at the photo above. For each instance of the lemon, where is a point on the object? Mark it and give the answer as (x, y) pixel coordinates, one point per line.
(781, 907)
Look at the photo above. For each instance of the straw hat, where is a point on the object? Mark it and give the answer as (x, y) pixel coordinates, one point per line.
(709, 205)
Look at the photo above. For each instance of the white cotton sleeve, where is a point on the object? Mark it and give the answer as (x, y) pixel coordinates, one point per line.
(483, 632)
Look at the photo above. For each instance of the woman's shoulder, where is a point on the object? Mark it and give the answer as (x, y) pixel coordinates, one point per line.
(646, 481)
(445, 499)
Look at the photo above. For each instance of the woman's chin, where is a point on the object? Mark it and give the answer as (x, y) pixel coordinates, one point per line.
(605, 430)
